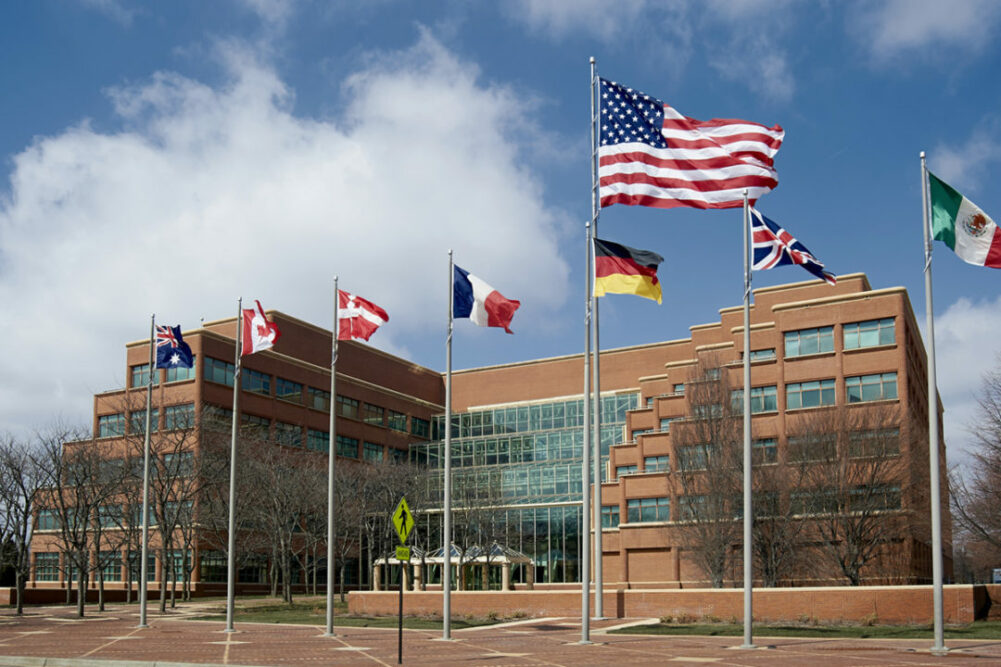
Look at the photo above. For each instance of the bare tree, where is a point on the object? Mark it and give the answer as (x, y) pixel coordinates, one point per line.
(22, 481)
(854, 481)
(777, 533)
(708, 481)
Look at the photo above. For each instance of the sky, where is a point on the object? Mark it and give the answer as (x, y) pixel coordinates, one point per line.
(171, 158)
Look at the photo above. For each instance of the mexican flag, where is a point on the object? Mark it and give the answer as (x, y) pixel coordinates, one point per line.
(961, 225)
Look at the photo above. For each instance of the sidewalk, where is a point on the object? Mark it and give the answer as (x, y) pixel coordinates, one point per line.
(53, 637)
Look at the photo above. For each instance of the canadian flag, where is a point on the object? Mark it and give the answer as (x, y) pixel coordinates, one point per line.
(259, 333)
(357, 318)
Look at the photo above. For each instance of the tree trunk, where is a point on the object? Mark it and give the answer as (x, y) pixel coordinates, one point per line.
(100, 589)
(342, 569)
(81, 590)
(164, 569)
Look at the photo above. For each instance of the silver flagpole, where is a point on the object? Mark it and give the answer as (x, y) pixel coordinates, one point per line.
(585, 556)
(331, 456)
(748, 518)
(446, 561)
(933, 461)
(599, 582)
(231, 556)
(143, 570)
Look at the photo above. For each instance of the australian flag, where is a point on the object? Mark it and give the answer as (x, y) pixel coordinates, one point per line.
(171, 350)
(774, 246)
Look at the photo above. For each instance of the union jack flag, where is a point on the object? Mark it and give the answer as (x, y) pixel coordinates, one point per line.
(171, 350)
(774, 246)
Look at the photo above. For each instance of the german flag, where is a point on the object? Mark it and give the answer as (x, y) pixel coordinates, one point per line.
(619, 269)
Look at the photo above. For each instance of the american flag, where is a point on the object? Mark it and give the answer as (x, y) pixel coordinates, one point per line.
(651, 155)
(774, 246)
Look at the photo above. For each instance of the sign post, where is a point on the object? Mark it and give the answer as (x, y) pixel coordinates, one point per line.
(403, 522)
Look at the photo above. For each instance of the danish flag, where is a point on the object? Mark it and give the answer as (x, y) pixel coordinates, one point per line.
(357, 318)
(774, 246)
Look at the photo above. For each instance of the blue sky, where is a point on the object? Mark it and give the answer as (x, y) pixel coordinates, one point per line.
(172, 157)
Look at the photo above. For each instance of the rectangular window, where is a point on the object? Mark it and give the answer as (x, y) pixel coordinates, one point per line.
(140, 376)
(665, 423)
(109, 516)
(179, 465)
(625, 470)
(609, 516)
(373, 452)
(874, 444)
(111, 565)
(178, 373)
(874, 498)
(397, 421)
(137, 421)
(764, 451)
(763, 399)
(762, 355)
(821, 447)
(213, 566)
(347, 447)
(420, 427)
(809, 394)
(135, 565)
(260, 424)
(809, 341)
(864, 388)
(109, 426)
(46, 567)
(693, 457)
(641, 431)
(374, 414)
(47, 520)
(871, 333)
(814, 501)
(256, 382)
(289, 435)
(216, 370)
(288, 390)
(692, 507)
(347, 407)
(318, 441)
(319, 399)
(642, 510)
(657, 463)
(679, 388)
(179, 416)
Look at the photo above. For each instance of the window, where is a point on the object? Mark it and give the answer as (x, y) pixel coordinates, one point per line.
(420, 427)
(763, 399)
(809, 394)
(109, 426)
(318, 441)
(288, 390)
(639, 510)
(609, 516)
(625, 470)
(109, 516)
(764, 451)
(181, 464)
(347, 447)
(178, 373)
(809, 341)
(878, 497)
(289, 435)
(47, 520)
(657, 463)
(262, 424)
(821, 447)
(693, 457)
(319, 399)
(649, 402)
(641, 431)
(871, 333)
(665, 423)
(877, 387)
(679, 388)
(111, 565)
(397, 421)
(814, 501)
(46, 567)
(137, 421)
(707, 411)
(179, 416)
(692, 507)
(347, 407)
(213, 566)
(214, 370)
(373, 452)
(374, 414)
(256, 382)
(762, 355)
(874, 444)
(140, 376)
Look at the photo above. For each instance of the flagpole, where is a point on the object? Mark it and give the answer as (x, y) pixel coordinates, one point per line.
(231, 556)
(748, 519)
(446, 561)
(331, 456)
(585, 557)
(143, 571)
(933, 460)
(599, 582)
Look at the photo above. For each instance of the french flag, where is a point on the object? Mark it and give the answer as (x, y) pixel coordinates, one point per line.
(485, 306)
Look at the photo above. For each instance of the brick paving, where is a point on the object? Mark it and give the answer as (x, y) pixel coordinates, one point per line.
(53, 637)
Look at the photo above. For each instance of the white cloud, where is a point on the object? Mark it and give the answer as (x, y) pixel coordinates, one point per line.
(113, 9)
(966, 165)
(594, 18)
(966, 344)
(904, 28)
(209, 193)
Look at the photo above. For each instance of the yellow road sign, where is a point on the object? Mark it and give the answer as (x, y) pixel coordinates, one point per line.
(403, 520)
(403, 553)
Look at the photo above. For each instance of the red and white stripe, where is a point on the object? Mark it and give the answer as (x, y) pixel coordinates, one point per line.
(357, 318)
(708, 164)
